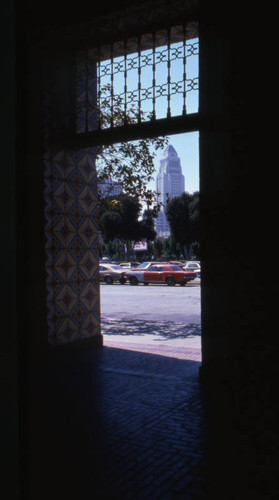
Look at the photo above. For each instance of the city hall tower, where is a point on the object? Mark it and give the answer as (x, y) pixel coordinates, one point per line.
(170, 183)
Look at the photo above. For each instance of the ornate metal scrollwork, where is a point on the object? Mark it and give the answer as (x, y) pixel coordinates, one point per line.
(148, 77)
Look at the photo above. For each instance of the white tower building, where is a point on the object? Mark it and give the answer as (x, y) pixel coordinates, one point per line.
(170, 183)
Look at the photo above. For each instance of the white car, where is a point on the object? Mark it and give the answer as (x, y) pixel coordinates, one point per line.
(128, 265)
(110, 273)
(193, 265)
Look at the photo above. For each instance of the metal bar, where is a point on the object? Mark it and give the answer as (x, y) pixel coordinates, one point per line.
(164, 126)
(125, 82)
(169, 77)
(99, 88)
(154, 76)
(184, 110)
(111, 83)
(139, 80)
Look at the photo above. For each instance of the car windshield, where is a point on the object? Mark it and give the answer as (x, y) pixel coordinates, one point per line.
(116, 267)
(143, 265)
(175, 268)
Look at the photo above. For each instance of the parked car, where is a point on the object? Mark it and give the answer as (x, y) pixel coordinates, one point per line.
(105, 260)
(177, 263)
(129, 265)
(146, 265)
(193, 265)
(160, 273)
(109, 273)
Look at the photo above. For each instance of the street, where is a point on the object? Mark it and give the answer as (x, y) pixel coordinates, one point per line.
(154, 313)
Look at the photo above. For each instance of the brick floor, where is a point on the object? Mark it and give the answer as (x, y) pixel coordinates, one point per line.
(152, 432)
(187, 353)
(120, 425)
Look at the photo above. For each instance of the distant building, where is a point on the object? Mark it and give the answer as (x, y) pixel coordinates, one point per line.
(109, 188)
(170, 183)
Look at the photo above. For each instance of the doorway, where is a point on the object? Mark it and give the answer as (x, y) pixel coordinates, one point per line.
(141, 88)
(141, 81)
(155, 318)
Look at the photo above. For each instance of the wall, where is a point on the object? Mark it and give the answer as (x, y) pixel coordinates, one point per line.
(239, 355)
(9, 352)
(71, 204)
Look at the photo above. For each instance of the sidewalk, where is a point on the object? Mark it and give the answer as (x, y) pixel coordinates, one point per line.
(165, 338)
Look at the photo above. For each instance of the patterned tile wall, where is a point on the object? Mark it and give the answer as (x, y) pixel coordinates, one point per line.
(72, 237)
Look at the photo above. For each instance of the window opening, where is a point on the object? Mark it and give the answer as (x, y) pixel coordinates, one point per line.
(151, 83)
(137, 83)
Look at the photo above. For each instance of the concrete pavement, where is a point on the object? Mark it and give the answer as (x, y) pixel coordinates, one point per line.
(155, 319)
(157, 337)
(153, 302)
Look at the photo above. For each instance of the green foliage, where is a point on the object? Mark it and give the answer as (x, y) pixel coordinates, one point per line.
(182, 213)
(120, 219)
(159, 249)
(130, 163)
(115, 250)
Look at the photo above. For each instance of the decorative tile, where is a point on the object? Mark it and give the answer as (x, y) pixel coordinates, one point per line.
(77, 248)
(67, 331)
(91, 326)
(78, 281)
(89, 266)
(71, 229)
(54, 283)
(89, 232)
(88, 201)
(79, 314)
(66, 299)
(64, 231)
(65, 265)
(63, 197)
(89, 298)
(76, 182)
(76, 215)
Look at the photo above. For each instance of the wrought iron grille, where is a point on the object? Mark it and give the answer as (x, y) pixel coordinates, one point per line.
(138, 80)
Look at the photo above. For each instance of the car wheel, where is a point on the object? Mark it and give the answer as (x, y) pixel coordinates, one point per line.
(170, 281)
(109, 280)
(133, 281)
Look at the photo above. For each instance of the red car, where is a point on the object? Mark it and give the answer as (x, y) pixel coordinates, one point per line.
(169, 274)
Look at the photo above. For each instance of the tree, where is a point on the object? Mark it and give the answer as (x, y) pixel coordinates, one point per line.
(120, 219)
(158, 248)
(147, 224)
(129, 163)
(182, 213)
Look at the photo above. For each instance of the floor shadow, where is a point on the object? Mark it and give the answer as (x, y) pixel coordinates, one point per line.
(165, 330)
(116, 425)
